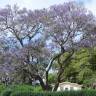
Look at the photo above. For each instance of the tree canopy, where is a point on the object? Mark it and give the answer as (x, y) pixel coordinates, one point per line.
(31, 42)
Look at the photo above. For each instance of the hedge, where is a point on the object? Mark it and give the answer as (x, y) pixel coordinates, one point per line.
(6, 92)
(66, 93)
(19, 88)
(26, 90)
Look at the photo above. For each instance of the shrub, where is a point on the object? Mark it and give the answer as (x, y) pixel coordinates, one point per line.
(66, 93)
(2, 87)
(22, 88)
(28, 90)
(16, 89)
(6, 92)
(37, 89)
(22, 93)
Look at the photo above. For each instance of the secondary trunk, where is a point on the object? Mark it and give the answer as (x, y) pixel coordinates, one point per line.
(43, 85)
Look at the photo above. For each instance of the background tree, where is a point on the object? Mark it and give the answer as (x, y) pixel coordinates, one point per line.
(22, 36)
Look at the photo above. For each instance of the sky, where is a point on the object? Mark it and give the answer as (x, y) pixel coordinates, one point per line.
(90, 5)
(39, 4)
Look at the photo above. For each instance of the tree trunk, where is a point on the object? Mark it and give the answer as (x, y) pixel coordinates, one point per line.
(50, 65)
(61, 69)
(43, 85)
(58, 79)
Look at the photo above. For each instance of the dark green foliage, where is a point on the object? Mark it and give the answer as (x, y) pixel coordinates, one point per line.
(92, 61)
(66, 93)
(52, 78)
(19, 88)
(26, 90)
(81, 68)
(6, 92)
(2, 87)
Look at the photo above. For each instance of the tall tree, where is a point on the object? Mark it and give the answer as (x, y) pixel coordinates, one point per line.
(37, 39)
(24, 41)
(67, 25)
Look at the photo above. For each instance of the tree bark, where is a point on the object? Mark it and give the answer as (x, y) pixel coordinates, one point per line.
(37, 77)
(61, 69)
(50, 65)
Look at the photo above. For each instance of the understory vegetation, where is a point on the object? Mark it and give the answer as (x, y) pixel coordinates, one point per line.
(23, 90)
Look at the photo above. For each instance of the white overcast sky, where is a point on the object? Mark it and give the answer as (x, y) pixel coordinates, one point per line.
(39, 4)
